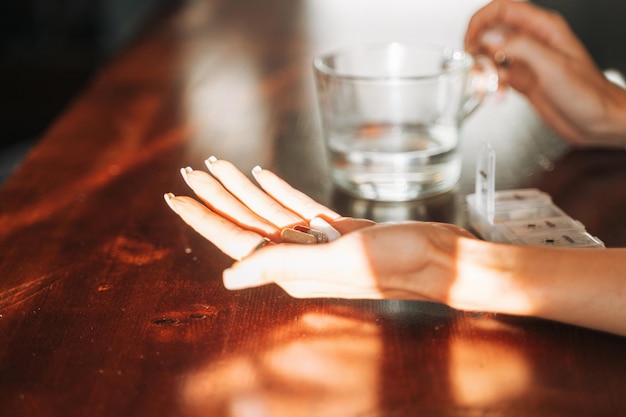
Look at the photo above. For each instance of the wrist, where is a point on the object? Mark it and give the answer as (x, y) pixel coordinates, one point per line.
(578, 286)
(489, 277)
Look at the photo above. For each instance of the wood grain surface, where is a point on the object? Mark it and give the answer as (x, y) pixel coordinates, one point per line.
(111, 306)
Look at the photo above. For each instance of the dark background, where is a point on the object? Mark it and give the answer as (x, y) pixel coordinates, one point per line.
(599, 24)
(50, 48)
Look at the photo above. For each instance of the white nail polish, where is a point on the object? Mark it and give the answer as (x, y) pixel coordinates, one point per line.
(168, 199)
(325, 227)
(211, 159)
(184, 172)
(256, 170)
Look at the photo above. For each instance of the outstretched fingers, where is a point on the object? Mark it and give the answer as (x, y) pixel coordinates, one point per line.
(289, 197)
(525, 18)
(239, 216)
(252, 196)
(231, 239)
(219, 200)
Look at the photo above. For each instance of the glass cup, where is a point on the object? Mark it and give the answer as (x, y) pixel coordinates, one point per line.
(391, 115)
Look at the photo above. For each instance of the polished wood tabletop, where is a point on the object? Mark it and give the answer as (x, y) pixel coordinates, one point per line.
(111, 306)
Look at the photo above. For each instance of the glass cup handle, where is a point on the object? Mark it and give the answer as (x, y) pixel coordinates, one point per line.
(483, 83)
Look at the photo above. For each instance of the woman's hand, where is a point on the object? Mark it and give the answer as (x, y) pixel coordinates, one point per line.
(540, 56)
(410, 260)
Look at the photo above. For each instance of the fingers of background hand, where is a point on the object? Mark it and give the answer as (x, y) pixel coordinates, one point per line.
(291, 198)
(228, 237)
(545, 25)
(252, 196)
(209, 190)
(556, 90)
(488, 16)
(337, 269)
(555, 83)
(530, 62)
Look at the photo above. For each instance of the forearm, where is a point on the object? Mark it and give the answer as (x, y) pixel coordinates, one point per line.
(585, 287)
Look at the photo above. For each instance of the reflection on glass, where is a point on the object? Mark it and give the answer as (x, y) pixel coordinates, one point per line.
(320, 365)
(440, 208)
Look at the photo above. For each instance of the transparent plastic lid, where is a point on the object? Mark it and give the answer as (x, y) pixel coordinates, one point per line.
(523, 216)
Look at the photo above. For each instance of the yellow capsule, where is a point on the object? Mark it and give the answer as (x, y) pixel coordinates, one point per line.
(294, 236)
(320, 236)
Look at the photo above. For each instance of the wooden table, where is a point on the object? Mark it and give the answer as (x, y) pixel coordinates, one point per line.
(111, 306)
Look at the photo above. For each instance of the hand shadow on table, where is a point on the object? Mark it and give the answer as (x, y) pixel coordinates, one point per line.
(329, 364)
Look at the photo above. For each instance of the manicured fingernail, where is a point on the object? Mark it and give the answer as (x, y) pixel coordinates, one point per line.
(211, 159)
(256, 170)
(493, 37)
(168, 199)
(184, 172)
(323, 226)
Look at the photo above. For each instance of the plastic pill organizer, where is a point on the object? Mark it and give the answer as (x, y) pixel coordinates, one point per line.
(522, 217)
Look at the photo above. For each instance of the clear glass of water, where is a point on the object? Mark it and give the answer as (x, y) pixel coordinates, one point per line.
(391, 115)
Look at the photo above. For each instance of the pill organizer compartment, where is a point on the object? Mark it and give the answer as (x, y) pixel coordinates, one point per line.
(524, 216)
